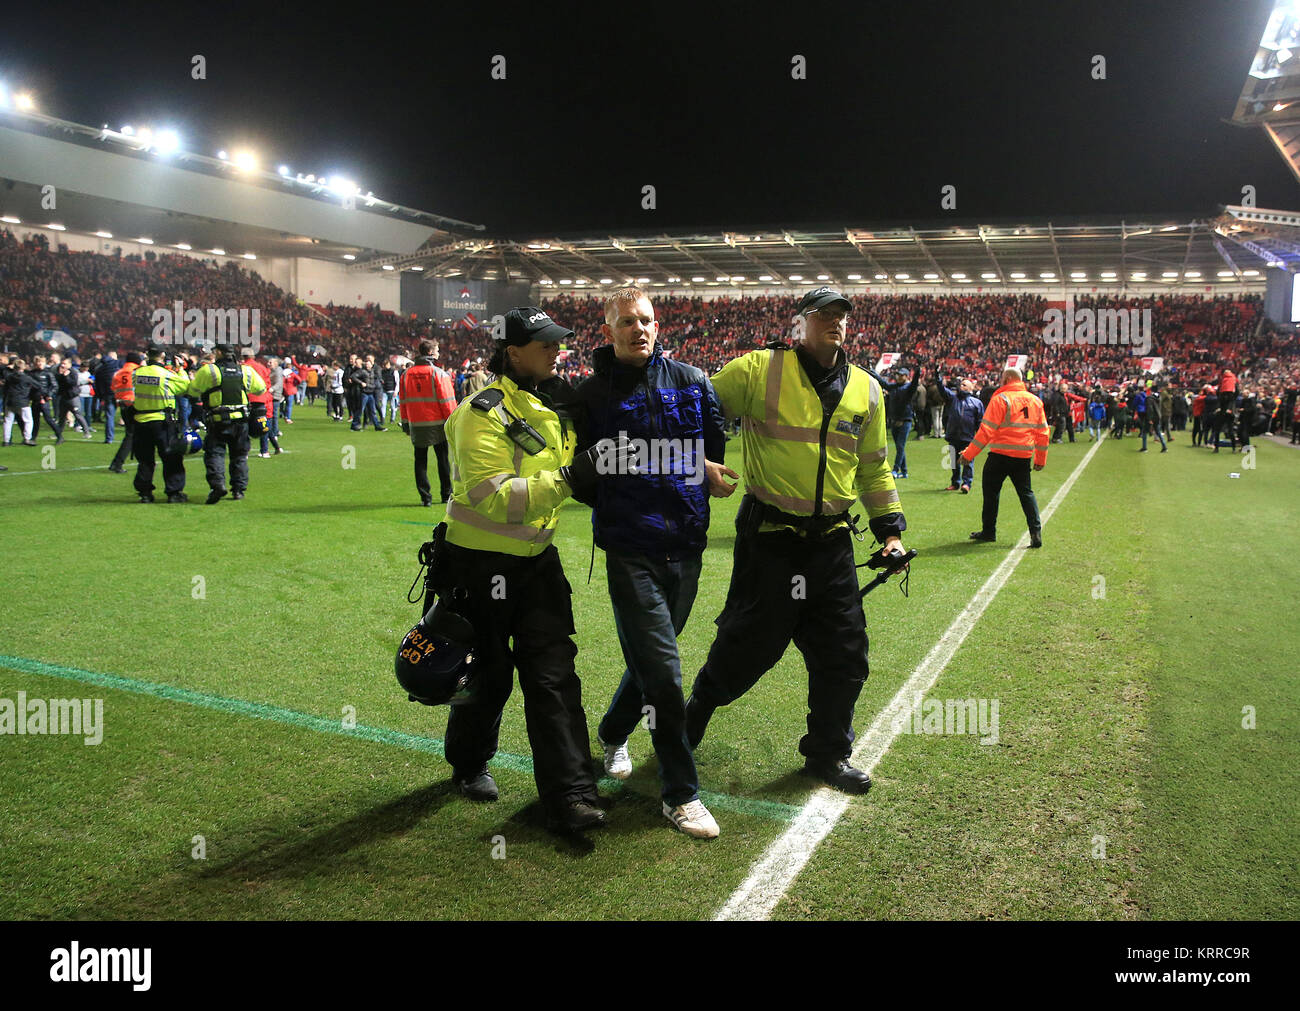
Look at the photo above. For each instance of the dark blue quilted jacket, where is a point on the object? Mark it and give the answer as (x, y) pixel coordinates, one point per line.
(673, 404)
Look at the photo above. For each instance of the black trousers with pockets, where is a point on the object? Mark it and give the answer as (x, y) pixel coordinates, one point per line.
(523, 619)
(786, 588)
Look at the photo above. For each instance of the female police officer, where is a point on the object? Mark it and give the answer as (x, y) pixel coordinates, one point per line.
(512, 467)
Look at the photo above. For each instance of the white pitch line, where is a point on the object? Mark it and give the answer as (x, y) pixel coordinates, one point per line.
(102, 466)
(52, 470)
(777, 868)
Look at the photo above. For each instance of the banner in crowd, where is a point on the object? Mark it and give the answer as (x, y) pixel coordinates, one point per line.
(454, 302)
(887, 360)
(1152, 365)
(1017, 362)
(56, 338)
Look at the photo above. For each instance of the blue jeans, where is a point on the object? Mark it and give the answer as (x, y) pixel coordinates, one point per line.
(288, 408)
(110, 409)
(367, 413)
(901, 432)
(1145, 426)
(652, 599)
(183, 410)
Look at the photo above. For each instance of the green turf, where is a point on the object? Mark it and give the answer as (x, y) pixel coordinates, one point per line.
(1118, 717)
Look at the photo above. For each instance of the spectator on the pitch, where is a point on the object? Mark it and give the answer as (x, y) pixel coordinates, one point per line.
(1096, 414)
(1153, 420)
(900, 414)
(335, 395)
(935, 398)
(104, 374)
(965, 412)
(291, 382)
(387, 390)
(18, 390)
(70, 399)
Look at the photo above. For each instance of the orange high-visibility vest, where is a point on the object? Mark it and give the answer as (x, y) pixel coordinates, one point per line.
(122, 387)
(1014, 425)
(427, 395)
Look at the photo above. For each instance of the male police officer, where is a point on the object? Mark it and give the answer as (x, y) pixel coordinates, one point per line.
(813, 442)
(156, 389)
(1014, 429)
(224, 387)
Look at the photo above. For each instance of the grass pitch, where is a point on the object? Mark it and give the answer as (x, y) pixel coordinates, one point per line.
(244, 655)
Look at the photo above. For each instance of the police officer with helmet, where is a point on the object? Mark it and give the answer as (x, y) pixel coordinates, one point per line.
(513, 466)
(157, 426)
(224, 386)
(814, 443)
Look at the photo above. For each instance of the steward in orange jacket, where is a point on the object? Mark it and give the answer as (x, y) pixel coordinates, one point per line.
(122, 389)
(1014, 430)
(426, 399)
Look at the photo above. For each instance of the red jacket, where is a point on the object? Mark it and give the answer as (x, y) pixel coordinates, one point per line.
(427, 395)
(265, 373)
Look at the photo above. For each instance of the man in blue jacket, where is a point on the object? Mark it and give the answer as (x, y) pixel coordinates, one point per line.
(899, 412)
(651, 524)
(965, 412)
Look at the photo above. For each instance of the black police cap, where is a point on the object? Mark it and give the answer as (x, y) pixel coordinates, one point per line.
(525, 324)
(819, 298)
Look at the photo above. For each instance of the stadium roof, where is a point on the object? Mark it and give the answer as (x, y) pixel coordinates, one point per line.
(1184, 251)
(130, 184)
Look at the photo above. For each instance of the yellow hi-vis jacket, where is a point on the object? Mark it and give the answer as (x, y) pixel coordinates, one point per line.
(1013, 425)
(207, 378)
(156, 389)
(504, 499)
(793, 451)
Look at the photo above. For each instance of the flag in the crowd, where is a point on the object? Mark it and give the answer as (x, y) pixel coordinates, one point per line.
(470, 321)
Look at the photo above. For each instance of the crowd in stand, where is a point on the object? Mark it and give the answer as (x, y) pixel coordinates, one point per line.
(106, 303)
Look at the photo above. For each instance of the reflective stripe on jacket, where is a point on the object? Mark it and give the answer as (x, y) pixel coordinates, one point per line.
(503, 499)
(427, 397)
(156, 389)
(121, 386)
(798, 458)
(1014, 425)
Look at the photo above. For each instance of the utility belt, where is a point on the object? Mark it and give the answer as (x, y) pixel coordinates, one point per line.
(753, 514)
(230, 412)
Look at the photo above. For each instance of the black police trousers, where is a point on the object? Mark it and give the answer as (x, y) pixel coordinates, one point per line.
(223, 435)
(522, 617)
(148, 436)
(124, 451)
(785, 587)
(997, 468)
(422, 471)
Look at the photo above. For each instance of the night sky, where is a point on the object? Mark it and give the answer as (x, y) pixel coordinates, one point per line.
(900, 99)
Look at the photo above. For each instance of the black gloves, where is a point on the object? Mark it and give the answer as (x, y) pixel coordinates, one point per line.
(608, 456)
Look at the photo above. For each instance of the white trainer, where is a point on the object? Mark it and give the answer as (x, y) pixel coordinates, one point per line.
(694, 819)
(618, 763)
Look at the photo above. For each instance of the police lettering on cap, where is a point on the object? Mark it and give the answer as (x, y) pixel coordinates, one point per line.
(525, 324)
(820, 298)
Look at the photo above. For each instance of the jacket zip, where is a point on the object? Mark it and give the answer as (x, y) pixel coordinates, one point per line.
(821, 463)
